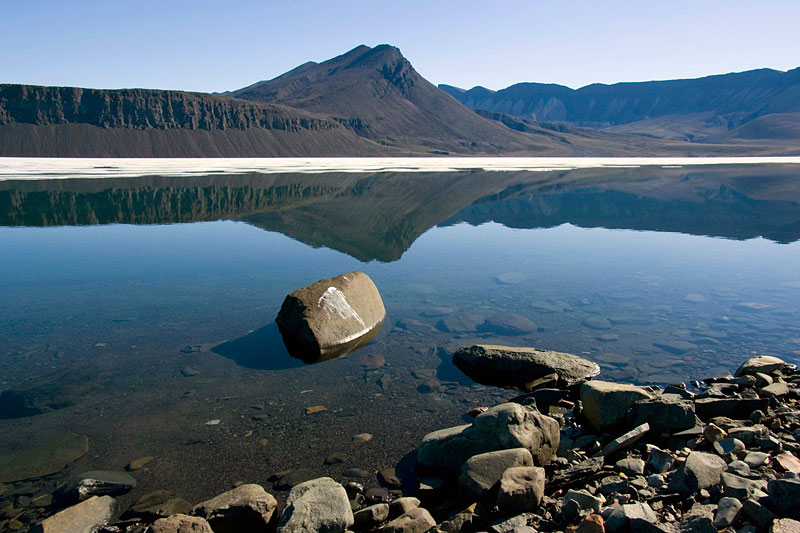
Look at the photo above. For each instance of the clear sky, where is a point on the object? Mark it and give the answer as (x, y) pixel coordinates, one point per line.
(202, 45)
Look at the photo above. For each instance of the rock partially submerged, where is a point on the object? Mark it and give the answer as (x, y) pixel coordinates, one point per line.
(513, 367)
(44, 458)
(331, 318)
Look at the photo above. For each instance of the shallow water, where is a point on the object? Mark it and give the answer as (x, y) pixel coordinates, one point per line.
(140, 309)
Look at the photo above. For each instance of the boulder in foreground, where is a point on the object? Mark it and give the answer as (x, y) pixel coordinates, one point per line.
(317, 505)
(331, 317)
(246, 508)
(513, 367)
(89, 515)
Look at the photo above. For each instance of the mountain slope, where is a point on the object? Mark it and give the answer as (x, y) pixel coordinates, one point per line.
(75, 122)
(711, 105)
(378, 93)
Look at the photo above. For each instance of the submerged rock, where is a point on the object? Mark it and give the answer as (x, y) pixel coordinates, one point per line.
(331, 318)
(96, 483)
(44, 458)
(505, 426)
(513, 367)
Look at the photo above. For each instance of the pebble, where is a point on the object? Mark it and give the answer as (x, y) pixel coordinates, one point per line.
(136, 464)
(315, 409)
(362, 438)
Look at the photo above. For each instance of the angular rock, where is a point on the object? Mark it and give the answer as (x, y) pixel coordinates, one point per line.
(584, 500)
(417, 520)
(784, 495)
(139, 463)
(316, 505)
(180, 523)
(756, 459)
(513, 367)
(727, 512)
(740, 468)
(515, 524)
(788, 462)
(370, 517)
(699, 471)
(402, 506)
(605, 404)
(737, 408)
(741, 488)
(85, 517)
(576, 474)
(660, 461)
(712, 433)
(625, 440)
(668, 413)
(96, 483)
(481, 472)
(758, 513)
(503, 426)
(776, 389)
(521, 489)
(331, 317)
(764, 364)
(246, 508)
(593, 523)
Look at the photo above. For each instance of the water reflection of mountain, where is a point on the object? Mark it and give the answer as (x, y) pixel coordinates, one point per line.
(379, 216)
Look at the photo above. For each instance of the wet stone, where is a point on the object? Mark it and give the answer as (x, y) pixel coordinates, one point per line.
(597, 322)
(158, 504)
(295, 477)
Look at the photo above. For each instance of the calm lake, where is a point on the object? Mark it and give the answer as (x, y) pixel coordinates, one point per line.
(139, 305)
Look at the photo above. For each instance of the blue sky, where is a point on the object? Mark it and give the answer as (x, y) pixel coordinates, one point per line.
(202, 45)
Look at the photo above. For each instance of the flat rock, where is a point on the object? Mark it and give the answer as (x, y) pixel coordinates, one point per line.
(417, 520)
(460, 323)
(139, 463)
(44, 458)
(504, 426)
(596, 322)
(331, 317)
(675, 347)
(509, 324)
(741, 488)
(317, 505)
(764, 364)
(513, 367)
(776, 389)
(510, 278)
(85, 517)
(699, 471)
(246, 508)
(630, 466)
(158, 504)
(788, 462)
(482, 471)
(296, 477)
(736, 408)
(180, 523)
(624, 440)
(606, 404)
(521, 489)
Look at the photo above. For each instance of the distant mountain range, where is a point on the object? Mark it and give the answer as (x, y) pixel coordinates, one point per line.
(759, 104)
(371, 101)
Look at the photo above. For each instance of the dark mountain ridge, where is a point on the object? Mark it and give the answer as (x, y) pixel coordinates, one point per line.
(723, 102)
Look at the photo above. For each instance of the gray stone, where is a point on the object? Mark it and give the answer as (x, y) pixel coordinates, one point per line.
(675, 347)
(246, 508)
(784, 495)
(402, 506)
(331, 317)
(158, 504)
(729, 446)
(513, 367)
(659, 461)
(668, 413)
(509, 324)
(757, 513)
(521, 489)
(515, 524)
(575, 474)
(370, 517)
(611, 484)
(317, 505)
(630, 466)
(727, 512)
(180, 523)
(756, 459)
(639, 511)
(481, 472)
(96, 483)
(625, 440)
(597, 322)
(699, 471)
(776, 389)
(44, 458)
(584, 500)
(765, 364)
(785, 525)
(605, 404)
(85, 517)
(737, 408)
(503, 426)
(740, 468)
(740, 487)
(417, 520)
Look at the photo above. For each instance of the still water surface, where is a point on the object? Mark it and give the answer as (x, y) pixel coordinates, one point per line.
(138, 310)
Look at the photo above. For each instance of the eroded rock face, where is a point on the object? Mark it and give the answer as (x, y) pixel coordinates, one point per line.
(331, 317)
(513, 367)
(317, 505)
(245, 508)
(505, 426)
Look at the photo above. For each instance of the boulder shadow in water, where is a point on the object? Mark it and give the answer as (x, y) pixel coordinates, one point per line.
(262, 349)
(447, 371)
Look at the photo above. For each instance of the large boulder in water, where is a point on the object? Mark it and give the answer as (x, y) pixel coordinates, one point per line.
(513, 367)
(502, 427)
(331, 318)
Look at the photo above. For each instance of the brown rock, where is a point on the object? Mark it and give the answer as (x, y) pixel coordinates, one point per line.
(593, 523)
(181, 523)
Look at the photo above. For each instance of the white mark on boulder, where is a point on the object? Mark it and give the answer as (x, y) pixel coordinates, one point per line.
(333, 301)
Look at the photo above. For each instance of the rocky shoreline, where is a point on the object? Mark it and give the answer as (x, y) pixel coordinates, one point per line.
(566, 455)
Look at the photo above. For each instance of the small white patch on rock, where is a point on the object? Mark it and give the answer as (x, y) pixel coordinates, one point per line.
(333, 301)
